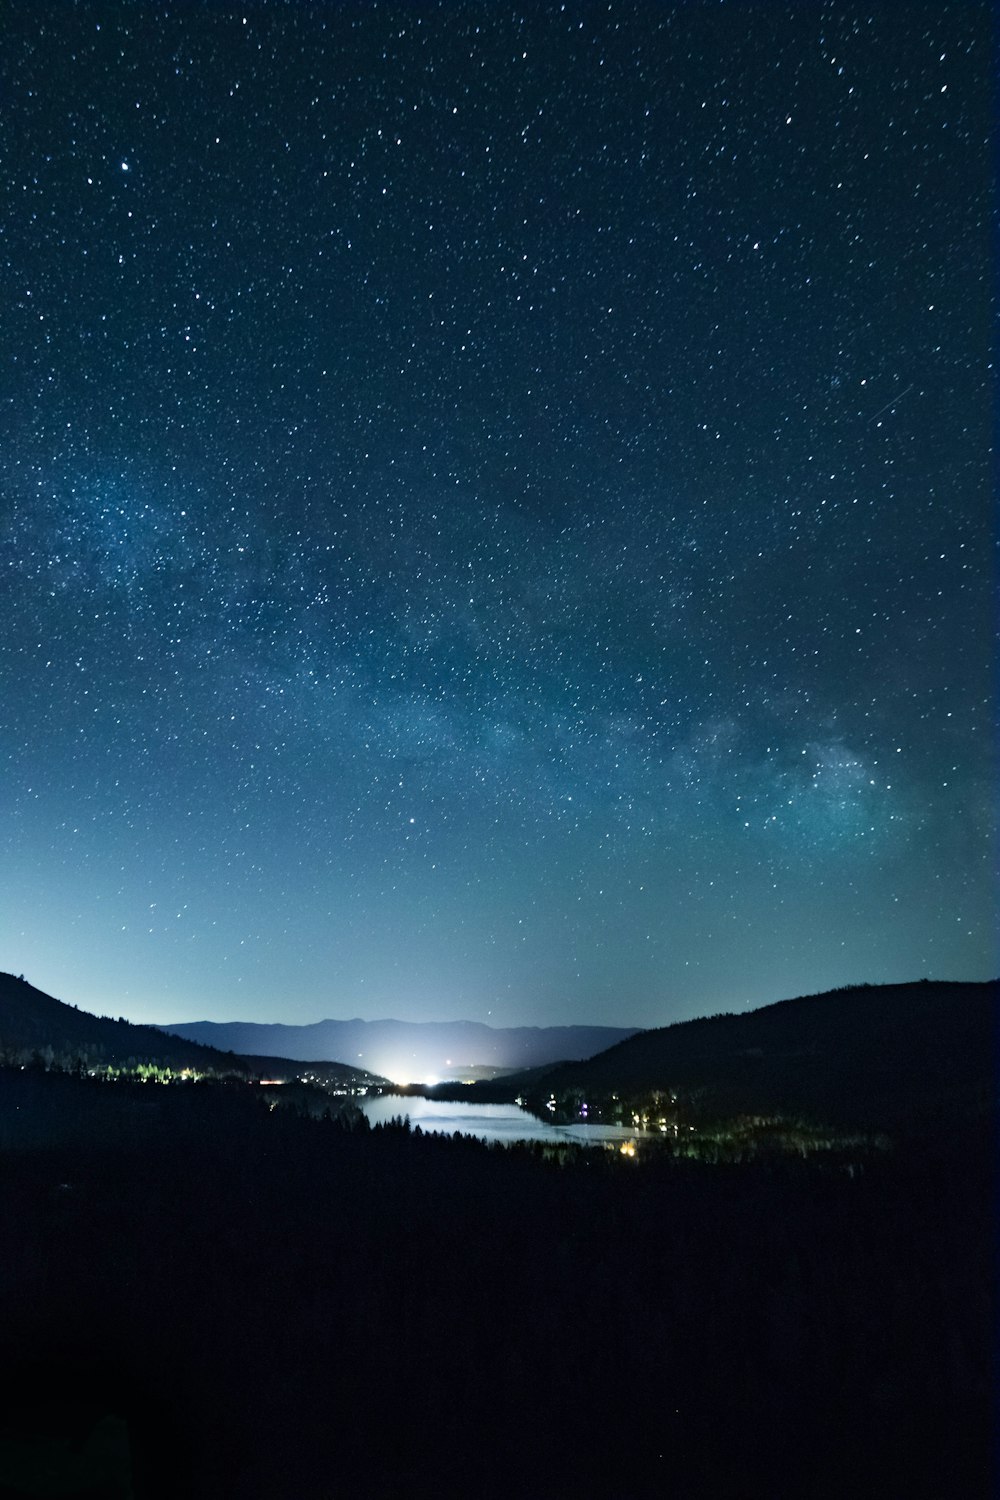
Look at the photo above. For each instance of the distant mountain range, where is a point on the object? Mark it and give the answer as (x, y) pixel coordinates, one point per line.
(36, 1027)
(881, 1057)
(875, 1056)
(410, 1051)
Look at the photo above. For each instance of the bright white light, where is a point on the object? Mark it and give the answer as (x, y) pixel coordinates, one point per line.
(430, 1082)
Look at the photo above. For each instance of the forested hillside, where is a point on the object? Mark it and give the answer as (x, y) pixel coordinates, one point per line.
(870, 1056)
(37, 1029)
(277, 1306)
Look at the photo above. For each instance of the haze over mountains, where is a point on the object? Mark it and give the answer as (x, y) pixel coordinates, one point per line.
(408, 1051)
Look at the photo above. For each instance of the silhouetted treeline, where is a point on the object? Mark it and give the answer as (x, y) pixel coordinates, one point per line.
(875, 1057)
(36, 1030)
(283, 1306)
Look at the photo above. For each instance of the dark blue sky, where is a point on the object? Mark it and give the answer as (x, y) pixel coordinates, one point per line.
(496, 506)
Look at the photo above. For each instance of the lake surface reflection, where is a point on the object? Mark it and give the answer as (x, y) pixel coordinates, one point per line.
(490, 1122)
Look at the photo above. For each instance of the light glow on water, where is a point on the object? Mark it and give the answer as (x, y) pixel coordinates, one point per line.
(505, 1123)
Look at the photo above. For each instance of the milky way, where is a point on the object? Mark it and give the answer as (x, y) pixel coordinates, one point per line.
(496, 506)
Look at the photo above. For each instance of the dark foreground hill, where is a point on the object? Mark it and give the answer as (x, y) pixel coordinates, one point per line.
(870, 1056)
(207, 1296)
(409, 1051)
(264, 1305)
(35, 1027)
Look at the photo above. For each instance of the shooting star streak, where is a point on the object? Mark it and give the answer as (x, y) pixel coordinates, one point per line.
(887, 405)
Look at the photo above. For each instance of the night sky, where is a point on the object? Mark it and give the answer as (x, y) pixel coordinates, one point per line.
(496, 506)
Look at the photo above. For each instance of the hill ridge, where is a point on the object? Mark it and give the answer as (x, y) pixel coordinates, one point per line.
(412, 1050)
(35, 1025)
(878, 1055)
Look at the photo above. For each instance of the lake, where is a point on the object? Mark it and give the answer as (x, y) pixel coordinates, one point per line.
(490, 1122)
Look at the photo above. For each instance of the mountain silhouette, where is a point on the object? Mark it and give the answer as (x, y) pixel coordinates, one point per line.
(877, 1056)
(410, 1051)
(36, 1027)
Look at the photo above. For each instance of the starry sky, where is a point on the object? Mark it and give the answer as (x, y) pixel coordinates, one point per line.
(495, 505)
